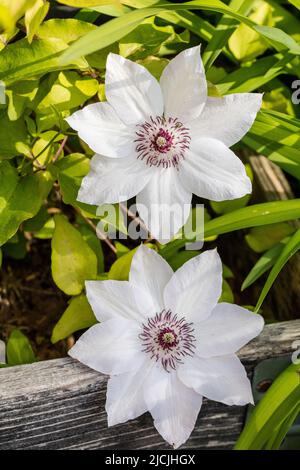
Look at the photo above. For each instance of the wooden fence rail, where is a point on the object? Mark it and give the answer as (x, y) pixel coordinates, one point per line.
(59, 404)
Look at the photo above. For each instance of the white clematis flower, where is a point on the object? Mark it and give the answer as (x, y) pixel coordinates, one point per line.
(164, 141)
(166, 342)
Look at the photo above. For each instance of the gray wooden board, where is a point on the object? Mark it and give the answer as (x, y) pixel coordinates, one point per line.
(59, 404)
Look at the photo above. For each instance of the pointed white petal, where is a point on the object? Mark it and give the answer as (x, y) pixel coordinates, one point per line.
(184, 85)
(212, 171)
(228, 118)
(132, 91)
(99, 126)
(125, 397)
(112, 180)
(195, 288)
(150, 272)
(228, 328)
(222, 379)
(111, 299)
(173, 406)
(111, 347)
(164, 204)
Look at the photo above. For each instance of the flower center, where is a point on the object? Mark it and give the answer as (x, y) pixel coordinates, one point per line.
(162, 142)
(168, 339)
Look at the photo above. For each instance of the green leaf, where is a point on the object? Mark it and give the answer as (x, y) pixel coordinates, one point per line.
(225, 27)
(227, 294)
(87, 3)
(288, 251)
(77, 316)
(13, 137)
(115, 29)
(19, 350)
(254, 75)
(277, 404)
(20, 198)
(245, 43)
(120, 268)
(21, 60)
(45, 147)
(155, 65)
(296, 3)
(34, 16)
(72, 260)
(265, 262)
(72, 169)
(94, 243)
(67, 29)
(47, 231)
(17, 249)
(20, 95)
(11, 11)
(247, 217)
(263, 238)
(69, 91)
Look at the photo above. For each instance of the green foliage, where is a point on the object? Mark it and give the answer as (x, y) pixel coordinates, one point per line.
(20, 198)
(73, 261)
(77, 316)
(291, 247)
(19, 350)
(274, 414)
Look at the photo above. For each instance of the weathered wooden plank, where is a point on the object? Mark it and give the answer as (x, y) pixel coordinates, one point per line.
(59, 404)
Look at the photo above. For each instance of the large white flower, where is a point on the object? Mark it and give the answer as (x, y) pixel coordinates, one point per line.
(164, 141)
(166, 342)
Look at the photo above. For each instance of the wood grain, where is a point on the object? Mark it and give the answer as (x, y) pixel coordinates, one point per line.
(59, 404)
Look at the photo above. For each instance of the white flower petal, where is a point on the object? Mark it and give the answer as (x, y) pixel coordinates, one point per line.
(212, 171)
(111, 347)
(111, 299)
(228, 118)
(112, 180)
(173, 406)
(150, 272)
(184, 85)
(228, 328)
(164, 204)
(125, 397)
(222, 379)
(195, 287)
(133, 92)
(99, 126)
